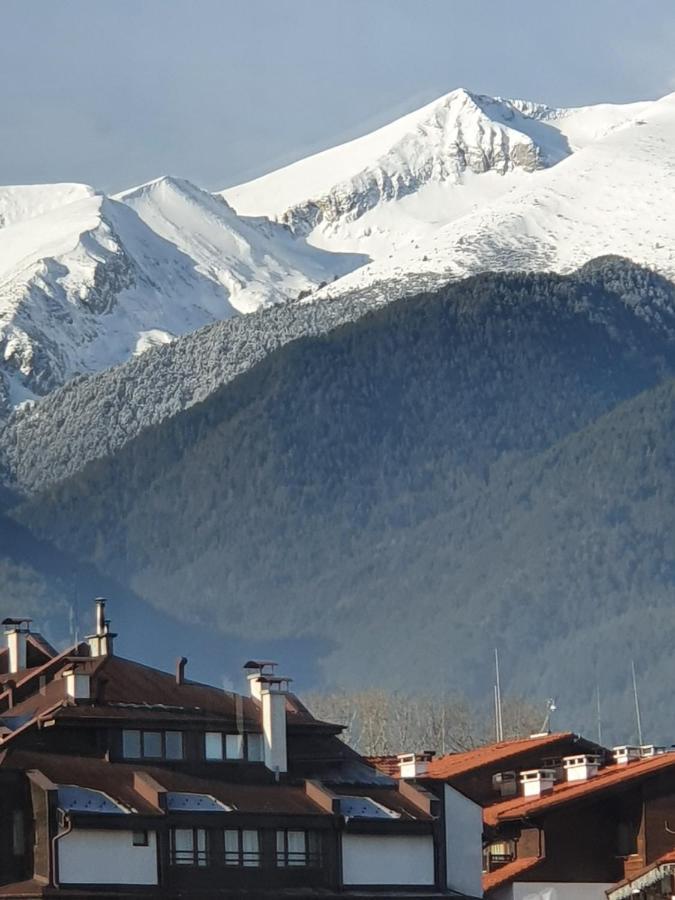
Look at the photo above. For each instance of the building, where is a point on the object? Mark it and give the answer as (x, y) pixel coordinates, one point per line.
(120, 780)
(565, 818)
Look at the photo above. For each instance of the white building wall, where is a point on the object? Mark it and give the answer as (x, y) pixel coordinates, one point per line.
(463, 843)
(388, 859)
(568, 890)
(97, 856)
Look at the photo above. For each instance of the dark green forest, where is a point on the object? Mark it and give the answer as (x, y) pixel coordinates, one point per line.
(488, 465)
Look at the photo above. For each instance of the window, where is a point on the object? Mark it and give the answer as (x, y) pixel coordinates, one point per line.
(297, 848)
(173, 744)
(18, 833)
(219, 746)
(242, 848)
(213, 745)
(188, 847)
(152, 744)
(140, 839)
(131, 744)
(234, 746)
(254, 747)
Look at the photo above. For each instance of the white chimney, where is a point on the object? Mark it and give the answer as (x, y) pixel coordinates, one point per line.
(506, 783)
(256, 668)
(649, 750)
(101, 642)
(17, 631)
(273, 701)
(536, 782)
(556, 764)
(625, 754)
(78, 685)
(415, 765)
(581, 767)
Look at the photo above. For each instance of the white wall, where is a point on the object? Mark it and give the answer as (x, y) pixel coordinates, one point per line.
(571, 890)
(464, 843)
(388, 859)
(96, 856)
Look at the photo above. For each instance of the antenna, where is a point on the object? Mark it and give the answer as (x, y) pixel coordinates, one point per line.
(598, 713)
(498, 701)
(550, 709)
(637, 703)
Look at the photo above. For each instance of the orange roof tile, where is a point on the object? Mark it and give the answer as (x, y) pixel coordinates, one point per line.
(509, 872)
(667, 858)
(389, 765)
(615, 775)
(459, 763)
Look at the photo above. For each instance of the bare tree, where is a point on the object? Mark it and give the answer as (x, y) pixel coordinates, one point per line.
(381, 723)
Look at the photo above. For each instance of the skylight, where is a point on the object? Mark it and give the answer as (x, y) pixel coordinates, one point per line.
(365, 808)
(177, 801)
(72, 798)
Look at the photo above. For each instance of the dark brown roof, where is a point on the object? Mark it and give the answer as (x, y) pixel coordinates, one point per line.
(389, 797)
(116, 780)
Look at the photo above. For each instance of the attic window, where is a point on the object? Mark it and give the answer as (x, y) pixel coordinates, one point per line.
(72, 798)
(365, 808)
(182, 801)
(152, 744)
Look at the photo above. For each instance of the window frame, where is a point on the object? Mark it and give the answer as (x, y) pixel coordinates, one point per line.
(197, 855)
(140, 838)
(225, 738)
(245, 859)
(309, 858)
(141, 733)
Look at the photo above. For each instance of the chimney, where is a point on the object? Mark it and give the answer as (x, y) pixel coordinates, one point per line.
(101, 643)
(649, 750)
(536, 782)
(415, 765)
(273, 693)
(78, 685)
(17, 631)
(625, 754)
(581, 767)
(180, 670)
(556, 764)
(255, 669)
(506, 783)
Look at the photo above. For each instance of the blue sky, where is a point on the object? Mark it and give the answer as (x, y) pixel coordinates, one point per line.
(219, 91)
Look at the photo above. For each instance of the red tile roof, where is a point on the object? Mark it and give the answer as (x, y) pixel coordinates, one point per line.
(508, 873)
(390, 765)
(609, 777)
(667, 858)
(493, 754)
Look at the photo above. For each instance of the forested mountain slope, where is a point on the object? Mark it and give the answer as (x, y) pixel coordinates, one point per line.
(414, 486)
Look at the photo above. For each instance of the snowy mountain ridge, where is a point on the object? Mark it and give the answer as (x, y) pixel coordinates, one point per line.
(464, 184)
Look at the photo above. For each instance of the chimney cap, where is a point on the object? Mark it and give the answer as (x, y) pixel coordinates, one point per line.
(11, 621)
(260, 664)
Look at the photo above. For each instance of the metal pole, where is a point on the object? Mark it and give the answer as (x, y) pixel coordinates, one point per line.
(637, 703)
(500, 722)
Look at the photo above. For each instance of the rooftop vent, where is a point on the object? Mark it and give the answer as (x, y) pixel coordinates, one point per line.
(649, 750)
(581, 767)
(536, 782)
(506, 783)
(415, 765)
(625, 754)
(101, 643)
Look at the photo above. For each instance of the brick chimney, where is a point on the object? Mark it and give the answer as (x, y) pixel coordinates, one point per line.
(16, 632)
